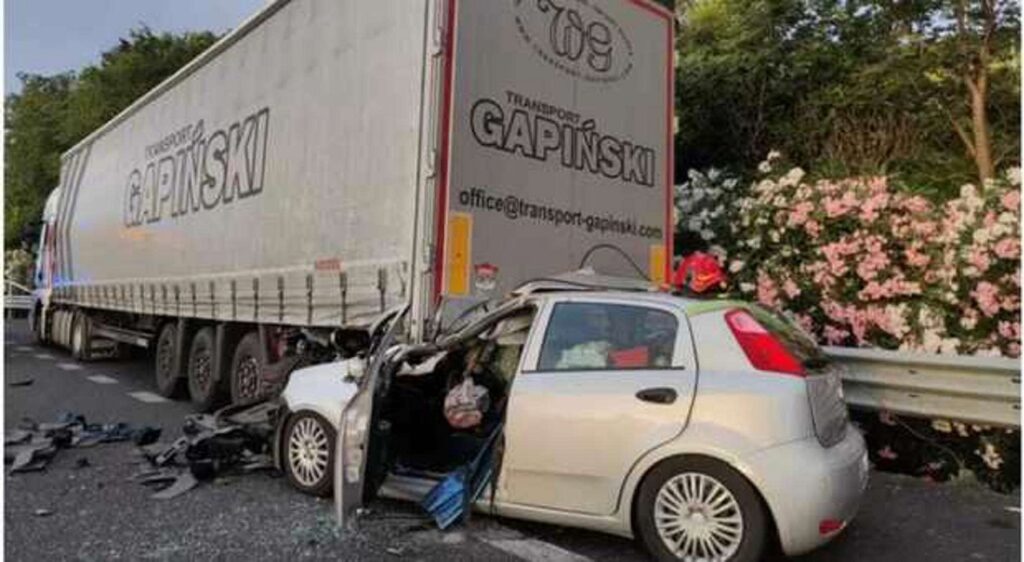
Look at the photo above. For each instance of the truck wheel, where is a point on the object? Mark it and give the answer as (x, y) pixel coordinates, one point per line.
(168, 381)
(700, 509)
(309, 453)
(247, 371)
(203, 382)
(81, 336)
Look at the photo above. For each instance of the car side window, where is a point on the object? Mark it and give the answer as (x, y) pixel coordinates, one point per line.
(595, 336)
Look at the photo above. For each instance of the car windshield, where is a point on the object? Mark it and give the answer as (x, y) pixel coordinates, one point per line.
(796, 340)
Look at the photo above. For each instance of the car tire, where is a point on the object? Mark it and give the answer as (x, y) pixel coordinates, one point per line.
(81, 329)
(246, 375)
(728, 508)
(169, 382)
(203, 380)
(308, 443)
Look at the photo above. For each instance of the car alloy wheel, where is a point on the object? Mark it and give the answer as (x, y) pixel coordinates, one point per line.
(309, 447)
(698, 518)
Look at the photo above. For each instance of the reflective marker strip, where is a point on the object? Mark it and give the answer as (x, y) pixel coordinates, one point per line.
(656, 264)
(460, 233)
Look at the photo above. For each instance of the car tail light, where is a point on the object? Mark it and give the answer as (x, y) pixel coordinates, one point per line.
(763, 349)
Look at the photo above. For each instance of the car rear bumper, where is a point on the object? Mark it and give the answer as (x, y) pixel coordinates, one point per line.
(812, 492)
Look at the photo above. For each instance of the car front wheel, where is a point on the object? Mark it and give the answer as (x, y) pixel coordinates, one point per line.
(700, 509)
(309, 453)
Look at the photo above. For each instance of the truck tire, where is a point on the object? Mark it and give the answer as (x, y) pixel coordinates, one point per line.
(247, 371)
(81, 336)
(676, 524)
(203, 379)
(309, 453)
(169, 382)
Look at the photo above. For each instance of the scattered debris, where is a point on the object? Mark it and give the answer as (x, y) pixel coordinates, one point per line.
(147, 436)
(233, 439)
(32, 445)
(183, 483)
(82, 462)
(21, 382)
(16, 436)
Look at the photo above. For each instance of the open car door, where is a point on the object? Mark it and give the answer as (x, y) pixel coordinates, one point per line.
(356, 430)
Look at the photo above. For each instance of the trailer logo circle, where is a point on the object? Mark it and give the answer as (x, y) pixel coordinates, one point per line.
(577, 37)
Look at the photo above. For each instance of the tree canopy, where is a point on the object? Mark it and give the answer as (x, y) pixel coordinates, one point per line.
(52, 113)
(928, 90)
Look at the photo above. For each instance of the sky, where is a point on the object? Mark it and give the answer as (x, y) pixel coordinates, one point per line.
(51, 36)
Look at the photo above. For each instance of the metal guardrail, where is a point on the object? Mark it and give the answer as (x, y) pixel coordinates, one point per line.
(983, 390)
(16, 296)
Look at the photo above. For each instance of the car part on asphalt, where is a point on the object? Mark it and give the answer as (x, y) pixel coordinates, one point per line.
(21, 382)
(32, 445)
(233, 439)
(183, 483)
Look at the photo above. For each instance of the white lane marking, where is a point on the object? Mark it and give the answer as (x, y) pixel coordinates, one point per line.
(43, 356)
(102, 379)
(69, 366)
(1013, 509)
(23, 348)
(535, 550)
(147, 397)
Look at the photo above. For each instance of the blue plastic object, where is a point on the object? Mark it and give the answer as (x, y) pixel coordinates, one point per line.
(449, 501)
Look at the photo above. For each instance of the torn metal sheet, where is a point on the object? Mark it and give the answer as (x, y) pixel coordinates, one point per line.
(33, 444)
(30, 458)
(168, 454)
(184, 483)
(160, 478)
(11, 452)
(15, 436)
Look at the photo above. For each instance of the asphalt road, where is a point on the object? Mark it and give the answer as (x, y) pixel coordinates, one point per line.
(98, 514)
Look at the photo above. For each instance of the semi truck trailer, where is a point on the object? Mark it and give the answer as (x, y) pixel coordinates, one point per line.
(326, 162)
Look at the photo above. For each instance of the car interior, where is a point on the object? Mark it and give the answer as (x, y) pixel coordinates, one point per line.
(422, 440)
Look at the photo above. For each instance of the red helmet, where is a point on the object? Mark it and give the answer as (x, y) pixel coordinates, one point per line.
(699, 272)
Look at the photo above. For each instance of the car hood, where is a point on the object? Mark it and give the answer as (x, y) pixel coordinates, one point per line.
(325, 389)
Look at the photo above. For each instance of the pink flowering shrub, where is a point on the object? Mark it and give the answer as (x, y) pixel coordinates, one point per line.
(860, 262)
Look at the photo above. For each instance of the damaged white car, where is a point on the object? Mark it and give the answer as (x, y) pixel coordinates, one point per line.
(701, 427)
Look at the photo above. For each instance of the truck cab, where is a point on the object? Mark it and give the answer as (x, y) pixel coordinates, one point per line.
(42, 278)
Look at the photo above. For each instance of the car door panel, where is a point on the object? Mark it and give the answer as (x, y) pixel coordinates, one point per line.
(572, 435)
